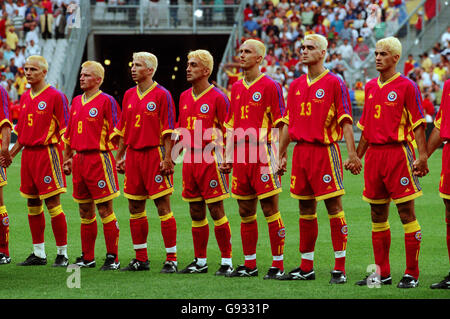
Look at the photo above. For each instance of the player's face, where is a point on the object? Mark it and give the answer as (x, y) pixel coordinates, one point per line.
(248, 57)
(88, 80)
(34, 73)
(195, 70)
(384, 59)
(311, 54)
(140, 71)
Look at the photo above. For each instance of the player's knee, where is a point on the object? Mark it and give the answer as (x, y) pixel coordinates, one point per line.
(136, 206)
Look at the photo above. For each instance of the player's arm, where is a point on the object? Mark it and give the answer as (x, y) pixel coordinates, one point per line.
(420, 165)
(67, 159)
(15, 149)
(167, 164)
(5, 157)
(363, 145)
(434, 141)
(284, 143)
(353, 163)
(120, 155)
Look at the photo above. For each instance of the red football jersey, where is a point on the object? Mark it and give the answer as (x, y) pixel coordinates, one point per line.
(256, 107)
(146, 117)
(392, 110)
(43, 118)
(316, 109)
(91, 122)
(207, 110)
(4, 108)
(442, 120)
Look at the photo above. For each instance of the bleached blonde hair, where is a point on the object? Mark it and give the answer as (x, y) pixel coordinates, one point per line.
(205, 58)
(150, 60)
(320, 41)
(39, 60)
(97, 69)
(259, 47)
(391, 44)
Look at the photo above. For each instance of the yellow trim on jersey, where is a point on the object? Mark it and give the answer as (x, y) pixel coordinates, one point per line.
(166, 217)
(360, 126)
(411, 227)
(142, 95)
(308, 216)
(331, 195)
(221, 221)
(135, 197)
(219, 177)
(244, 197)
(333, 170)
(445, 196)
(407, 198)
(281, 119)
(105, 144)
(343, 117)
(248, 85)
(163, 193)
(107, 198)
(194, 199)
(138, 215)
(200, 223)
(421, 121)
(109, 174)
(109, 218)
(285, 119)
(29, 196)
(217, 199)
(6, 121)
(33, 96)
(248, 219)
(300, 197)
(376, 201)
(317, 78)
(269, 194)
(416, 190)
(196, 98)
(51, 138)
(87, 221)
(35, 210)
(65, 140)
(378, 227)
(82, 201)
(116, 131)
(167, 132)
(380, 85)
(51, 194)
(83, 97)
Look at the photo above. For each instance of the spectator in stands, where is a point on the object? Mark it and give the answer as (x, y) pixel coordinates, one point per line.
(207, 12)
(17, 21)
(361, 49)
(32, 49)
(392, 15)
(346, 50)
(439, 73)
(307, 16)
(153, 13)
(32, 35)
(248, 12)
(3, 61)
(29, 20)
(19, 57)
(60, 23)
(365, 31)
(46, 24)
(13, 67)
(409, 65)
(251, 25)
(10, 6)
(425, 62)
(8, 74)
(435, 55)
(12, 91)
(20, 83)
(445, 37)
(11, 38)
(4, 21)
(374, 16)
(47, 5)
(8, 53)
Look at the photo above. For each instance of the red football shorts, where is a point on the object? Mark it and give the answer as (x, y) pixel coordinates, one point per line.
(388, 174)
(143, 177)
(316, 171)
(255, 179)
(3, 180)
(94, 177)
(204, 181)
(444, 185)
(41, 172)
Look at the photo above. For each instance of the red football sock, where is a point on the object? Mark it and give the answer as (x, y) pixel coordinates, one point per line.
(36, 220)
(338, 228)
(4, 231)
(249, 238)
(223, 236)
(139, 234)
(413, 237)
(381, 242)
(447, 221)
(88, 232)
(111, 233)
(200, 236)
(169, 234)
(59, 225)
(276, 235)
(308, 237)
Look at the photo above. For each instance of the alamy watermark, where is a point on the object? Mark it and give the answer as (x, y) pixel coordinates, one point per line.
(74, 280)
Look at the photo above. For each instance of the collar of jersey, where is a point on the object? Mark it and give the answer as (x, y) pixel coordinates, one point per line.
(396, 75)
(83, 97)
(196, 98)
(35, 95)
(142, 95)
(247, 86)
(321, 75)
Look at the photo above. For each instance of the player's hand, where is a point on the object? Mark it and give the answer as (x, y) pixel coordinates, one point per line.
(166, 167)
(120, 166)
(420, 167)
(67, 167)
(282, 166)
(5, 158)
(353, 164)
(225, 168)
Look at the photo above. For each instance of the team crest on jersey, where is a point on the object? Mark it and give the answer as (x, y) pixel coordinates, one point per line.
(264, 177)
(42, 105)
(320, 93)
(93, 112)
(101, 183)
(392, 96)
(256, 96)
(213, 183)
(5, 221)
(418, 235)
(151, 106)
(47, 179)
(158, 178)
(404, 181)
(326, 178)
(204, 108)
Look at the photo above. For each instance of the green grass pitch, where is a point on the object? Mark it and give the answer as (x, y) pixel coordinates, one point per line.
(47, 282)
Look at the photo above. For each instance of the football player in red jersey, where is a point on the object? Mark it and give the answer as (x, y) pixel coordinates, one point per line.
(203, 109)
(5, 161)
(441, 133)
(257, 106)
(43, 119)
(93, 116)
(145, 129)
(392, 119)
(318, 115)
